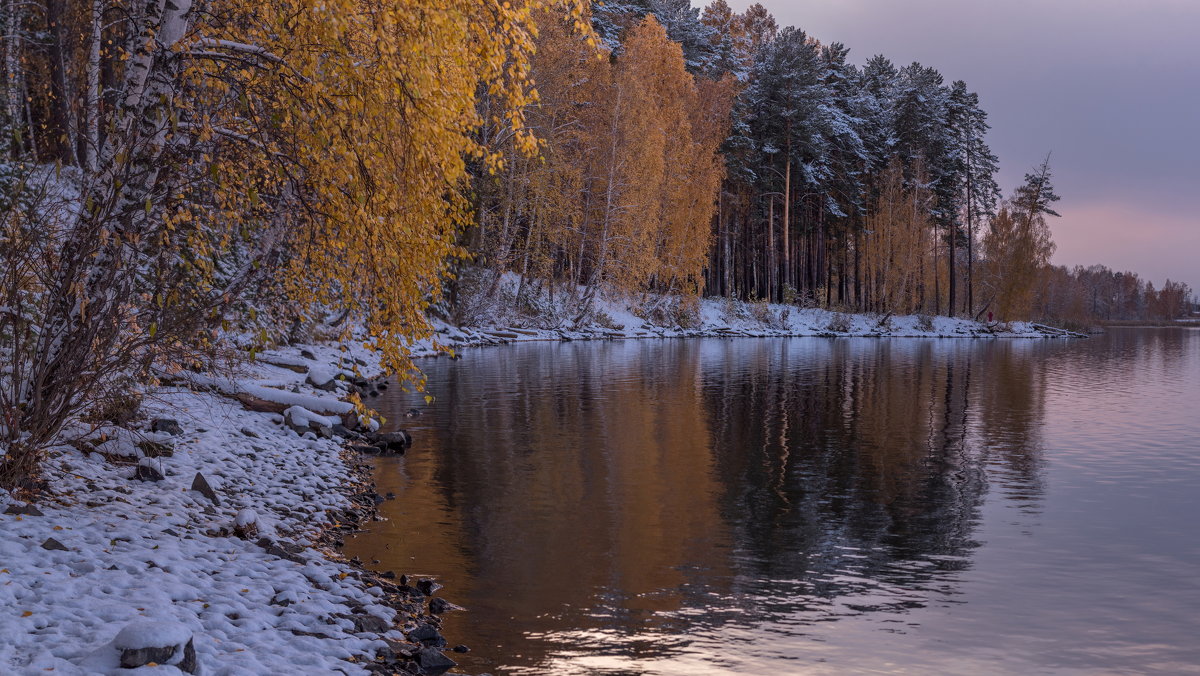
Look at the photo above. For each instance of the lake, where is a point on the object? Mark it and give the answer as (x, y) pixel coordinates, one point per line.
(807, 505)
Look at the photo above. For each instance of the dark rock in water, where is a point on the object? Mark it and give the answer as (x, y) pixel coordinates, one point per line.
(413, 413)
(200, 485)
(54, 545)
(307, 354)
(167, 425)
(393, 442)
(388, 574)
(390, 496)
(427, 635)
(434, 663)
(427, 586)
(460, 648)
(437, 606)
(365, 449)
(379, 500)
(382, 385)
(24, 510)
(373, 393)
(147, 473)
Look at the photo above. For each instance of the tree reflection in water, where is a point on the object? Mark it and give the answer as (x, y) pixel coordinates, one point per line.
(596, 504)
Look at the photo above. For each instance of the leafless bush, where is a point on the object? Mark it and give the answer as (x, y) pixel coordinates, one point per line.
(838, 323)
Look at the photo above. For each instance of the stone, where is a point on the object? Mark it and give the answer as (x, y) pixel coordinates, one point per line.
(369, 624)
(163, 642)
(167, 425)
(320, 382)
(460, 648)
(413, 413)
(426, 634)
(201, 486)
(434, 663)
(283, 550)
(393, 442)
(307, 354)
(54, 545)
(147, 472)
(365, 449)
(245, 524)
(437, 606)
(24, 510)
(345, 432)
(427, 586)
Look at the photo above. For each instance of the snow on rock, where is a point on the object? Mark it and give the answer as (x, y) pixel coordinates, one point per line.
(302, 420)
(152, 633)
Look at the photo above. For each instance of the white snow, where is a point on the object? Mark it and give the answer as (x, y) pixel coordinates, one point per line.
(152, 633)
(159, 552)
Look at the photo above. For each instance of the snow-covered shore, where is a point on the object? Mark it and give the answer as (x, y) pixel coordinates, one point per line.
(715, 317)
(252, 577)
(250, 571)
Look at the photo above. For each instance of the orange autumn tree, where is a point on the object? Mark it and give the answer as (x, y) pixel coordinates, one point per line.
(358, 119)
(658, 175)
(623, 193)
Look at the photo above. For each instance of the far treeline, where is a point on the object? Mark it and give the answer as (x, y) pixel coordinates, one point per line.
(710, 151)
(183, 177)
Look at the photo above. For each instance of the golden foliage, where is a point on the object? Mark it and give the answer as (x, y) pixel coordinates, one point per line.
(364, 113)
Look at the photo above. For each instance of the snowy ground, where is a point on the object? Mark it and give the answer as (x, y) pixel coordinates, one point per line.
(494, 321)
(106, 551)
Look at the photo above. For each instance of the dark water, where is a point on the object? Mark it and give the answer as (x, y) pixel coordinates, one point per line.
(799, 506)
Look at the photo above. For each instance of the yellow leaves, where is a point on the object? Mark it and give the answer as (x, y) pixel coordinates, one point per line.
(27, 613)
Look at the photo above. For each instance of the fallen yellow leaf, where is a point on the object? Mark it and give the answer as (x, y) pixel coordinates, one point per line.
(27, 613)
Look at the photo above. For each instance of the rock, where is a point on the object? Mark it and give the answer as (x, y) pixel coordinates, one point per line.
(345, 432)
(283, 550)
(438, 606)
(393, 442)
(159, 641)
(200, 485)
(427, 586)
(364, 449)
(321, 380)
(369, 624)
(245, 524)
(167, 425)
(307, 354)
(393, 649)
(154, 449)
(54, 545)
(24, 510)
(460, 648)
(434, 663)
(302, 420)
(413, 413)
(147, 472)
(427, 635)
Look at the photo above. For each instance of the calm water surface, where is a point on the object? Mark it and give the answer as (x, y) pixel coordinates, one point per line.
(809, 506)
